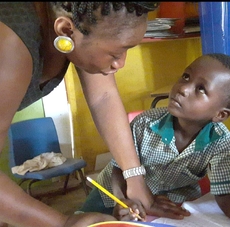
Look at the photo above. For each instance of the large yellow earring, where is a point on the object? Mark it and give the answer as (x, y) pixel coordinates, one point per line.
(64, 44)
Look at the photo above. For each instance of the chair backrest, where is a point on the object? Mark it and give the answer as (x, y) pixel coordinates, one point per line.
(132, 115)
(31, 138)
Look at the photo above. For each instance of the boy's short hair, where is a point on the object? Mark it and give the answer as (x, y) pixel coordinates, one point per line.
(225, 60)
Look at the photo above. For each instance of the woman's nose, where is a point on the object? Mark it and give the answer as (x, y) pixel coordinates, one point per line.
(119, 63)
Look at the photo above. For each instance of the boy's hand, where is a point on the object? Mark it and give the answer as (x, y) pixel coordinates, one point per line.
(160, 206)
(125, 214)
(163, 207)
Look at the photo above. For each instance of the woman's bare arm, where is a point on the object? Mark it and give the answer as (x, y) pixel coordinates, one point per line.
(112, 123)
(17, 207)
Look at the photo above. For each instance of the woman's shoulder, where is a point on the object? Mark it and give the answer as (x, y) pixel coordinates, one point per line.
(23, 20)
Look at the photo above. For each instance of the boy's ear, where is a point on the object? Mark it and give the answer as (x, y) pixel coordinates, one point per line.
(63, 26)
(222, 115)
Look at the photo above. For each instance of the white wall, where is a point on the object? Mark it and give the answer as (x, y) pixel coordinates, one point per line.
(56, 106)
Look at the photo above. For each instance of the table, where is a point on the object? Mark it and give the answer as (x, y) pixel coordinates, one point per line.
(205, 212)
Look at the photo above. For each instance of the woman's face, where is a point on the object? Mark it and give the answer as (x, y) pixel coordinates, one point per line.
(104, 49)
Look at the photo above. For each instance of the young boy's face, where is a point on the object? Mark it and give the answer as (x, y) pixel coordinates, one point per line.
(201, 92)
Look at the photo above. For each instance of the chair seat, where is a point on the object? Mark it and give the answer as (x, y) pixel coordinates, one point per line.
(33, 137)
(66, 168)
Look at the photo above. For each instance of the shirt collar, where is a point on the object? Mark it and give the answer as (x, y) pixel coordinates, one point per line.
(164, 128)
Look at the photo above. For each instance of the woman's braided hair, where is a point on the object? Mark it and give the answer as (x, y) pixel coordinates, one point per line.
(82, 11)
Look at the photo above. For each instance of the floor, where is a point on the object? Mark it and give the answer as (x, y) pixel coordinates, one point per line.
(52, 195)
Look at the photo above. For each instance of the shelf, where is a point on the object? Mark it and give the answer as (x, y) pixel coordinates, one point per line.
(185, 36)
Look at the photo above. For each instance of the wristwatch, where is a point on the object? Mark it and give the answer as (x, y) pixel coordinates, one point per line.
(136, 171)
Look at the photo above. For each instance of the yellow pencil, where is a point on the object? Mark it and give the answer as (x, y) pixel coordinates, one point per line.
(112, 196)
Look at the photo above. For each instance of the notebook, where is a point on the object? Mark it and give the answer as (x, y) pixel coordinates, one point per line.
(205, 212)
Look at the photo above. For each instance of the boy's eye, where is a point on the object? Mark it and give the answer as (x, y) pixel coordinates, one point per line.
(185, 76)
(201, 89)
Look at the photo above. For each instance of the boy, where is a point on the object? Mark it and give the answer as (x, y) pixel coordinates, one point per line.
(178, 144)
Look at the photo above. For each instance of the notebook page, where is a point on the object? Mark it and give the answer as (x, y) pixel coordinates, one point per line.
(204, 212)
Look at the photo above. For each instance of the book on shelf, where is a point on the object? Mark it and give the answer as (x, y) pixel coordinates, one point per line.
(160, 28)
(163, 28)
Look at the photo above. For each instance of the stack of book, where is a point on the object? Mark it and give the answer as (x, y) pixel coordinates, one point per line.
(192, 25)
(160, 28)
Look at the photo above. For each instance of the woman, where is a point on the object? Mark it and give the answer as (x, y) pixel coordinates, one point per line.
(38, 41)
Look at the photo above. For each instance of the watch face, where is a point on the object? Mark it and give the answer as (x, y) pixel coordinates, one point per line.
(128, 224)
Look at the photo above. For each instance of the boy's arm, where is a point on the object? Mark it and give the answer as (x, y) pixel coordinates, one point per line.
(118, 183)
(163, 207)
(224, 203)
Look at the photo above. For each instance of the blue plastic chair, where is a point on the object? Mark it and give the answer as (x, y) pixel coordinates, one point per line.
(30, 138)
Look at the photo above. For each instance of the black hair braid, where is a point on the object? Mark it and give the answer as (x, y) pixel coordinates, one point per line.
(82, 11)
(79, 9)
(130, 7)
(89, 13)
(64, 5)
(105, 9)
(117, 5)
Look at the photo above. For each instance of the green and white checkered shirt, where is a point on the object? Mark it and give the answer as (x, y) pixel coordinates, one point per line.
(172, 173)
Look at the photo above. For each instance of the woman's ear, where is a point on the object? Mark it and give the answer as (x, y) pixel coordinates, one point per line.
(222, 115)
(63, 26)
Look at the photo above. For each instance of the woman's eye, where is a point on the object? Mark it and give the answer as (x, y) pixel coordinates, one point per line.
(185, 76)
(116, 57)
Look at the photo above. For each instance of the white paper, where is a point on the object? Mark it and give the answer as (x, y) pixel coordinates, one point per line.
(205, 212)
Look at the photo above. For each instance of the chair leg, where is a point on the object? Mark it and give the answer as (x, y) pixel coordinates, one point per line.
(65, 184)
(83, 181)
(22, 181)
(75, 175)
(29, 186)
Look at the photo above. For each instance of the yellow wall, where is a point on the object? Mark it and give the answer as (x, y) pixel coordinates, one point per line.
(149, 66)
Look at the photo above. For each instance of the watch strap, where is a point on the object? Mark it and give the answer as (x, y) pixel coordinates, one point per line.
(136, 171)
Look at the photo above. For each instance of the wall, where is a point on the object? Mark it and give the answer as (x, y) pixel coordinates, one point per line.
(33, 111)
(56, 106)
(149, 66)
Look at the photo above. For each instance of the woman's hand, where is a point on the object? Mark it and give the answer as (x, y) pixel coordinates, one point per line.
(160, 206)
(125, 214)
(86, 219)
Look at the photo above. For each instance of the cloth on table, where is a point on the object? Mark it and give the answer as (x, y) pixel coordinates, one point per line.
(42, 161)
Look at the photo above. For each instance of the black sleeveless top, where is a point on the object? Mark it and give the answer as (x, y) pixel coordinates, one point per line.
(22, 18)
